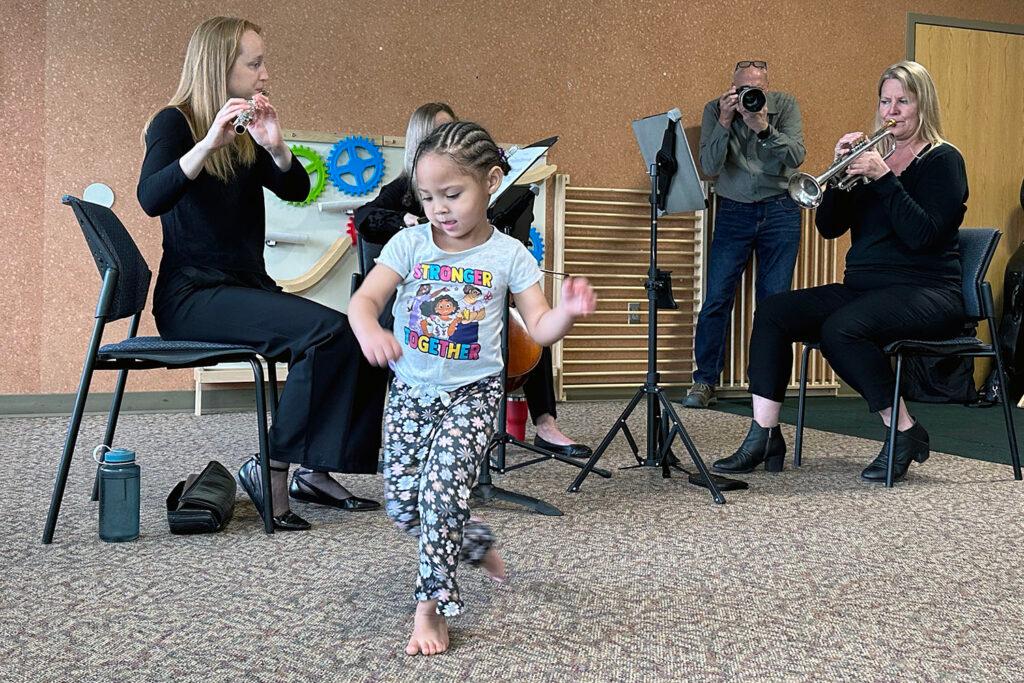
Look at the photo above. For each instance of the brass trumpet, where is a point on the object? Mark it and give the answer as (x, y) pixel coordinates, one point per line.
(807, 191)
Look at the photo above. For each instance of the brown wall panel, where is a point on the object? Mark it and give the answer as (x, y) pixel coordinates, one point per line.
(79, 78)
(22, 170)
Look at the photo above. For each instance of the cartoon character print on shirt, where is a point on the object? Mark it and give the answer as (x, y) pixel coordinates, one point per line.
(421, 304)
(438, 324)
(442, 320)
(473, 310)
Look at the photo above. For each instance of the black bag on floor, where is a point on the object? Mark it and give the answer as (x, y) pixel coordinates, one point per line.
(938, 380)
(203, 503)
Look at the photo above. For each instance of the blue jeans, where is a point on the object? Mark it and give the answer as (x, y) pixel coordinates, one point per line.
(770, 229)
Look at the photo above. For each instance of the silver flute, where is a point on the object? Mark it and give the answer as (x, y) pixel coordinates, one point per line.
(243, 120)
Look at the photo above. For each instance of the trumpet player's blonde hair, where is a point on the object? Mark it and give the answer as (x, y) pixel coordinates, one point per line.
(203, 89)
(918, 83)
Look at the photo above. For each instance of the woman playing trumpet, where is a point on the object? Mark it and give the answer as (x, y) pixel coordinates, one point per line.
(902, 276)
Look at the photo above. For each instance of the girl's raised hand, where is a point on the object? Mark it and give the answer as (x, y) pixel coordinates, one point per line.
(578, 297)
(380, 347)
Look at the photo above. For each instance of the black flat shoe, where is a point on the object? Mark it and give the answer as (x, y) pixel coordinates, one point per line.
(300, 489)
(762, 444)
(910, 445)
(248, 477)
(572, 450)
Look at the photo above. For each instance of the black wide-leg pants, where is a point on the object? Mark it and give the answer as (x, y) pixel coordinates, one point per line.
(330, 411)
(853, 325)
(539, 387)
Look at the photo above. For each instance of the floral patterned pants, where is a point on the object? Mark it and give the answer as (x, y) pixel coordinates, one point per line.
(434, 443)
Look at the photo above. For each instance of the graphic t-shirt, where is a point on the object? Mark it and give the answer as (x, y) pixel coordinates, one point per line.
(449, 306)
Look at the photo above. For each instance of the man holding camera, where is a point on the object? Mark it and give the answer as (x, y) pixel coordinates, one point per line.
(752, 139)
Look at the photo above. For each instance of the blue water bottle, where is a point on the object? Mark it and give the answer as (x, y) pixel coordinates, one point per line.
(119, 496)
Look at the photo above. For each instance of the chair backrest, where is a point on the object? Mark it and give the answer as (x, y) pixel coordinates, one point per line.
(977, 246)
(367, 252)
(113, 249)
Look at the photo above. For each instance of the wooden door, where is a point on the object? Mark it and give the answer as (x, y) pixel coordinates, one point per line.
(979, 74)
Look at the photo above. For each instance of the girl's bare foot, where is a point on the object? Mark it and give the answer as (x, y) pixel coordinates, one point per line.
(429, 631)
(494, 565)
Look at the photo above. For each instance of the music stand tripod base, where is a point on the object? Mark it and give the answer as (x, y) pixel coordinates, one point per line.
(484, 489)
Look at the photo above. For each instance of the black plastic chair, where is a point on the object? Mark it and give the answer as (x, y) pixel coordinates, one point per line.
(123, 293)
(977, 246)
(367, 252)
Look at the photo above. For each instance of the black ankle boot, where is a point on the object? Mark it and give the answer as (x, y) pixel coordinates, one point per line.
(763, 444)
(910, 445)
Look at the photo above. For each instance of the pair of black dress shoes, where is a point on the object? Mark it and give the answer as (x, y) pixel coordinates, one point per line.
(299, 489)
(573, 450)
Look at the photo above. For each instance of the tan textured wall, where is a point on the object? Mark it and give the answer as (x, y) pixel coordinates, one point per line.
(80, 77)
(22, 172)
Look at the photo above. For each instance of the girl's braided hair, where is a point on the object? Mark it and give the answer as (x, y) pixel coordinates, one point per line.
(468, 144)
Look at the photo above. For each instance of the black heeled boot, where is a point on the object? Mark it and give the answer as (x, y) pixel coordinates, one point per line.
(763, 444)
(910, 445)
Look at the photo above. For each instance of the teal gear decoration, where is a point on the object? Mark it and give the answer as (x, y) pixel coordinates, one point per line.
(315, 164)
(537, 245)
(358, 158)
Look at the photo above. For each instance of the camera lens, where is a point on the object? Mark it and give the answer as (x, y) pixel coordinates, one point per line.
(752, 99)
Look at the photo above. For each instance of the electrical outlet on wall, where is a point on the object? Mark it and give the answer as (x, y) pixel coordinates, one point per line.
(633, 313)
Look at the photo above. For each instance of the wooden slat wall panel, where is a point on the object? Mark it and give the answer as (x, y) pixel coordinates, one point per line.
(604, 233)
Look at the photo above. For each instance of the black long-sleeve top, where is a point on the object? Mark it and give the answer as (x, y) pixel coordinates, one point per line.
(903, 229)
(208, 223)
(381, 218)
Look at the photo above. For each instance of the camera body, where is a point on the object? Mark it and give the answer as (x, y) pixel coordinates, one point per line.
(752, 98)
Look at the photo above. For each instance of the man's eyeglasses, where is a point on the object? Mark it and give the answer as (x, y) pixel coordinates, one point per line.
(756, 63)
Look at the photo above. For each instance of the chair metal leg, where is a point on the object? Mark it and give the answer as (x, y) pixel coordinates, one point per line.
(1004, 398)
(894, 420)
(115, 408)
(108, 437)
(261, 421)
(69, 449)
(272, 381)
(199, 398)
(801, 396)
(106, 294)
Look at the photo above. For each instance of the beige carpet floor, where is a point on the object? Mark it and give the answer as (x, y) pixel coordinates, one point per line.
(809, 575)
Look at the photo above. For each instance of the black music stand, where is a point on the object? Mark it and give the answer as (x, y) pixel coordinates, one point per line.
(675, 187)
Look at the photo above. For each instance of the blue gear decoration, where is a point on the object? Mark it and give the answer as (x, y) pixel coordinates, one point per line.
(357, 158)
(537, 245)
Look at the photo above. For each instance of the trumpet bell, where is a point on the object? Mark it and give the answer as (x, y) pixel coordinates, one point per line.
(805, 190)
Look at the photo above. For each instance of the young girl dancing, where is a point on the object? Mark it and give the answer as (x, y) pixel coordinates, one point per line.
(442, 403)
